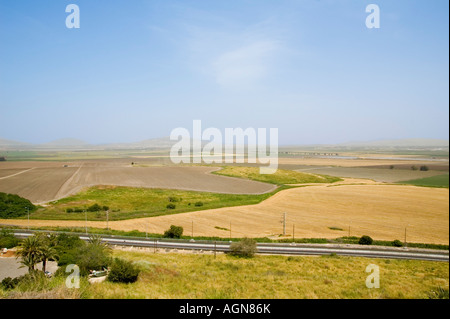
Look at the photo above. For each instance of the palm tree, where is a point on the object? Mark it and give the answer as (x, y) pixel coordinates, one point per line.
(29, 250)
(96, 240)
(47, 253)
(47, 250)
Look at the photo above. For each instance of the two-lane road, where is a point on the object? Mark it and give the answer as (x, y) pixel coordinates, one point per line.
(276, 249)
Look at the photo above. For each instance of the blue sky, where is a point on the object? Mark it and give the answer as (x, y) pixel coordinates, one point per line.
(138, 69)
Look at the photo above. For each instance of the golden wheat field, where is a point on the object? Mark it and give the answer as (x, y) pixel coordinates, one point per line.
(327, 211)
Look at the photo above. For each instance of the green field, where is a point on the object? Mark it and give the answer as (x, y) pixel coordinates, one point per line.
(433, 181)
(201, 276)
(128, 202)
(281, 176)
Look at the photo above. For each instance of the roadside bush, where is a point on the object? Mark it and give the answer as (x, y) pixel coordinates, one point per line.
(174, 232)
(245, 248)
(123, 271)
(69, 210)
(7, 239)
(365, 240)
(424, 168)
(198, 204)
(397, 243)
(171, 206)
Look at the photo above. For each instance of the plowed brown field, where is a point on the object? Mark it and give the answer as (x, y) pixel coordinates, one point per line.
(42, 183)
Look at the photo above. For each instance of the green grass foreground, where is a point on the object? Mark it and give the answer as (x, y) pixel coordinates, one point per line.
(433, 181)
(128, 202)
(201, 276)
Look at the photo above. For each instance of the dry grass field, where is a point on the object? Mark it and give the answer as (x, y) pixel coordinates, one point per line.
(374, 209)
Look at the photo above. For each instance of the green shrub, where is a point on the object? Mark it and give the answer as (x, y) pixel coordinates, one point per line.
(397, 243)
(171, 206)
(424, 168)
(94, 208)
(12, 206)
(174, 199)
(123, 271)
(69, 210)
(174, 232)
(9, 283)
(245, 248)
(198, 204)
(93, 256)
(365, 240)
(7, 239)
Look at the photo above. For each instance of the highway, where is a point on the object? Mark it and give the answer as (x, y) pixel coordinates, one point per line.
(274, 248)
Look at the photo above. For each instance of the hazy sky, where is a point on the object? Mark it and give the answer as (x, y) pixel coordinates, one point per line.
(137, 69)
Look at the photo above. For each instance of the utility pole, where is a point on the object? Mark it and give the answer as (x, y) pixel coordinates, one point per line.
(107, 220)
(293, 232)
(192, 230)
(28, 213)
(284, 224)
(85, 221)
(405, 237)
(230, 230)
(406, 244)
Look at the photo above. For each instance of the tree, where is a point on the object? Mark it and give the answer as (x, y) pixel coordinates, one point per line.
(30, 252)
(47, 249)
(174, 232)
(365, 240)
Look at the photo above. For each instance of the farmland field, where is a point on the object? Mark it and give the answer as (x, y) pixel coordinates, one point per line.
(380, 211)
(433, 181)
(377, 174)
(44, 183)
(356, 207)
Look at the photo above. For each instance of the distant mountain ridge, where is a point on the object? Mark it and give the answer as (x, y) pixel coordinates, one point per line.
(409, 142)
(166, 143)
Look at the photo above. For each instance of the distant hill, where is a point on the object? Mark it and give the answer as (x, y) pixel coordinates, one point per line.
(160, 143)
(65, 143)
(403, 143)
(13, 144)
(166, 143)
